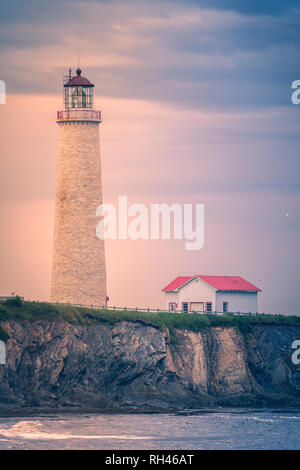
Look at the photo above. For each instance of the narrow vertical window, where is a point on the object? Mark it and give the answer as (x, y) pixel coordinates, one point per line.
(185, 307)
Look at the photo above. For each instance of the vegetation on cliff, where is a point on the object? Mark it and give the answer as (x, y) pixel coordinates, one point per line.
(15, 308)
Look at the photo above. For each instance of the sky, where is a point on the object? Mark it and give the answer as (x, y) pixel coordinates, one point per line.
(196, 105)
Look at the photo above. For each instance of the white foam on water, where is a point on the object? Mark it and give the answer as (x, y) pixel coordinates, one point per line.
(265, 420)
(32, 430)
(289, 417)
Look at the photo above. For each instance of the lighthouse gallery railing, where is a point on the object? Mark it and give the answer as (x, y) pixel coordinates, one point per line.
(89, 114)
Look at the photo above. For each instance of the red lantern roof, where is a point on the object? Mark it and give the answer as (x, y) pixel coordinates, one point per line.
(78, 80)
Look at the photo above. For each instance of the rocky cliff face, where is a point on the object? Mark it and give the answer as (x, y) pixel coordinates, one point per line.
(132, 365)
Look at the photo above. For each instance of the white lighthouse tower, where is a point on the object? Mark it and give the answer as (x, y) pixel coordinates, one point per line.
(78, 270)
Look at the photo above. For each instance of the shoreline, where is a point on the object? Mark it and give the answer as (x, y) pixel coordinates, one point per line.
(35, 412)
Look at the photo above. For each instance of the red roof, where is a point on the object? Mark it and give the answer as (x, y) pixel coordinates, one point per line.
(227, 283)
(78, 80)
(178, 282)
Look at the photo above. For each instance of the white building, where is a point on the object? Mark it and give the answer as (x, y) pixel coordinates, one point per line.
(218, 294)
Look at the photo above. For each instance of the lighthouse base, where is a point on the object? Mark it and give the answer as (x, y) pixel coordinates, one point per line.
(78, 272)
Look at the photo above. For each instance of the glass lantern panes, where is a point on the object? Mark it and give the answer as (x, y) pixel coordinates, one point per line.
(78, 97)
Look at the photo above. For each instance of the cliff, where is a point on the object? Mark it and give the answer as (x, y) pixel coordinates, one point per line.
(138, 366)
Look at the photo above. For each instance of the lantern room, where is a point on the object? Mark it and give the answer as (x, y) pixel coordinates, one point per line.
(78, 91)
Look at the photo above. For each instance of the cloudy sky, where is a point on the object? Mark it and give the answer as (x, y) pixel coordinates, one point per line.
(196, 103)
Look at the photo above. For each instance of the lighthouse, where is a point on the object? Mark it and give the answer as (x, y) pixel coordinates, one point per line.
(78, 269)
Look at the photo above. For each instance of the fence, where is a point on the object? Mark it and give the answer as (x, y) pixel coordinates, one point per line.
(151, 310)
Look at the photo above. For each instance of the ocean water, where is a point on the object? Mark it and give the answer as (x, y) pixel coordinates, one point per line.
(238, 429)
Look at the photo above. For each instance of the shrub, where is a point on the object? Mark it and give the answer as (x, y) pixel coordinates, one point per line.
(14, 301)
(4, 313)
(3, 335)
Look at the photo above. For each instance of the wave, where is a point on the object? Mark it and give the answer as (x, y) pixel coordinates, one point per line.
(257, 418)
(32, 430)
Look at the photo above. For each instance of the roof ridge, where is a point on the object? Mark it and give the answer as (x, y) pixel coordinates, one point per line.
(218, 282)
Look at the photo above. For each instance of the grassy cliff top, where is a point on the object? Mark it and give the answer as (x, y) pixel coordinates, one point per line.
(17, 309)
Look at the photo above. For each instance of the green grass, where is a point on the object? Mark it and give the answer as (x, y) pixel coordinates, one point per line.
(19, 310)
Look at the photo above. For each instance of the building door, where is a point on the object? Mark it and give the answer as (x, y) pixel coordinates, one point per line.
(197, 307)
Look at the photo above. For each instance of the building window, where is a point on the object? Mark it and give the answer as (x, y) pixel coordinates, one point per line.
(172, 306)
(225, 307)
(185, 307)
(208, 306)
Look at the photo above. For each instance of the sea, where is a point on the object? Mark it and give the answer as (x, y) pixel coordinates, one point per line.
(209, 430)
